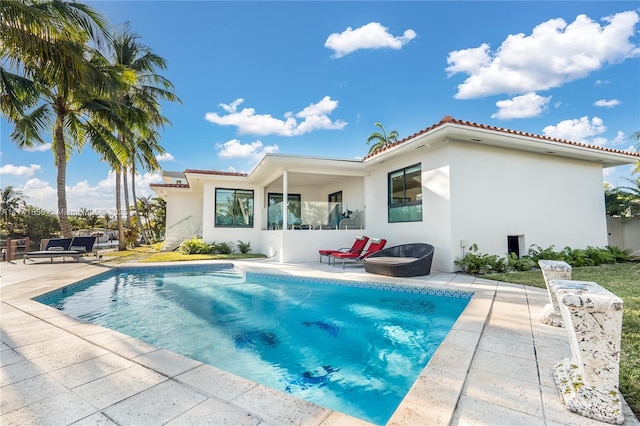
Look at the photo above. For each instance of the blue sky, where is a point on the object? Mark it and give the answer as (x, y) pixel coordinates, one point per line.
(312, 78)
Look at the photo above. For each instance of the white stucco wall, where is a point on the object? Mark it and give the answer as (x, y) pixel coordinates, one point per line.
(550, 201)
(182, 205)
(435, 226)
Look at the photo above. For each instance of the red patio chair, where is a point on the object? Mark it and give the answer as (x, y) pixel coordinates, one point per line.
(357, 247)
(376, 244)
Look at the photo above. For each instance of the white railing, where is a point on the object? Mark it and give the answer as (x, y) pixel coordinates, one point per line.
(315, 215)
(185, 229)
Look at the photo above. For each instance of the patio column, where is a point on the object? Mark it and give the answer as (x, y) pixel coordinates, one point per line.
(285, 199)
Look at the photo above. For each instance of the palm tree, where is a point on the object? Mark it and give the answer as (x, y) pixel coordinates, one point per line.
(145, 90)
(12, 201)
(381, 138)
(59, 89)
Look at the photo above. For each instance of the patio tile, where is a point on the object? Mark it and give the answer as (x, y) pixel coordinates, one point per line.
(29, 334)
(86, 329)
(168, 363)
(477, 412)
(505, 332)
(61, 409)
(17, 372)
(216, 383)
(508, 347)
(28, 391)
(108, 390)
(69, 356)
(90, 370)
(502, 391)
(341, 419)
(101, 335)
(280, 408)
(213, 412)
(96, 419)
(156, 405)
(59, 340)
(129, 347)
(9, 357)
(514, 366)
(423, 406)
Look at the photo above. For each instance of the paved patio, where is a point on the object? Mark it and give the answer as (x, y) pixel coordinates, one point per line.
(495, 366)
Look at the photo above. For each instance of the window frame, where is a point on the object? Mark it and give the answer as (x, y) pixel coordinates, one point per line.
(233, 225)
(391, 205)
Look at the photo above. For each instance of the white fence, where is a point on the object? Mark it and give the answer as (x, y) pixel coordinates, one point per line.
(624, 233)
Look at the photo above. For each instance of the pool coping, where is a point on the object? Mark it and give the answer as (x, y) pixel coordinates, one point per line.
(431, 400)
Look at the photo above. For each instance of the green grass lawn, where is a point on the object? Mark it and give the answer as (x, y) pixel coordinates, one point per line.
(623, 280)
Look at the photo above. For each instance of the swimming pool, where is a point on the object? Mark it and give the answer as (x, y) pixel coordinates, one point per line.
(349, 346)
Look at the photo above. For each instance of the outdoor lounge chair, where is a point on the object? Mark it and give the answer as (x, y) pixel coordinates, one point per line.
(64, 247)
(375, 246)
(407, 260)
(357, 247)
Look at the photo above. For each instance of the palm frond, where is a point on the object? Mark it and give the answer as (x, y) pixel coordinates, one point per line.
(28, 128)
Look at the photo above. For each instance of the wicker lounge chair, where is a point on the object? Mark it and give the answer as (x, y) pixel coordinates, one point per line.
(357, 247)
(407, 260)
(64, 247)
(376, 245)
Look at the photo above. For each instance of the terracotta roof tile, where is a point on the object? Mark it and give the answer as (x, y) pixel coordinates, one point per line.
(169, 185)
(448, 119)
(215, 172)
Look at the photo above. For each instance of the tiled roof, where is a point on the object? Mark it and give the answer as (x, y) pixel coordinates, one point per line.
(448, 119)
(169, 185)
(215, 172)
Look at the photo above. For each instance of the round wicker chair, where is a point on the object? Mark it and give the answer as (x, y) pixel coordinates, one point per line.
(406, 260)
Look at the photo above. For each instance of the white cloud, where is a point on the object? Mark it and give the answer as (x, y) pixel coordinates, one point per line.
(98, 197)
(607, 103)
(602, 82)
(553, 54)
(370, 36)
(618, 139)
(529, 105)
(578, 130)
(10, 169)
(165, 157)
(254, 150)
(314, 117)
(39, 148)
(233, 106)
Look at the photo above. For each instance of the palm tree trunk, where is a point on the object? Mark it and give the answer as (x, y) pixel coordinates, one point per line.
(61, 180)
(135, 205)
(126, 196)
(122, 244)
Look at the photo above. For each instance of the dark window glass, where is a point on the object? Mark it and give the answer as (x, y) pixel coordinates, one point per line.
(234, 208)
(405, 194)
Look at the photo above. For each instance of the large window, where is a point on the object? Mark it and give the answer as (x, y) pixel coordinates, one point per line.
(234, 208)
(405, 194)
(274, 210)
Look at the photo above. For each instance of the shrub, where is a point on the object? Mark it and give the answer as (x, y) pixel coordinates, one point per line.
(521, 265)
(222, 248)
(194, 246)
(475, 263)
(538, 253)
(244, 247)
(577, 257)
(618, 254)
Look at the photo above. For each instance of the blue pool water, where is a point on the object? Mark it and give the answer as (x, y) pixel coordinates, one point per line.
(349, 346)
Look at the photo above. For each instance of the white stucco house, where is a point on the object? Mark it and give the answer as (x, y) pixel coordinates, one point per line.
(451, 185)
